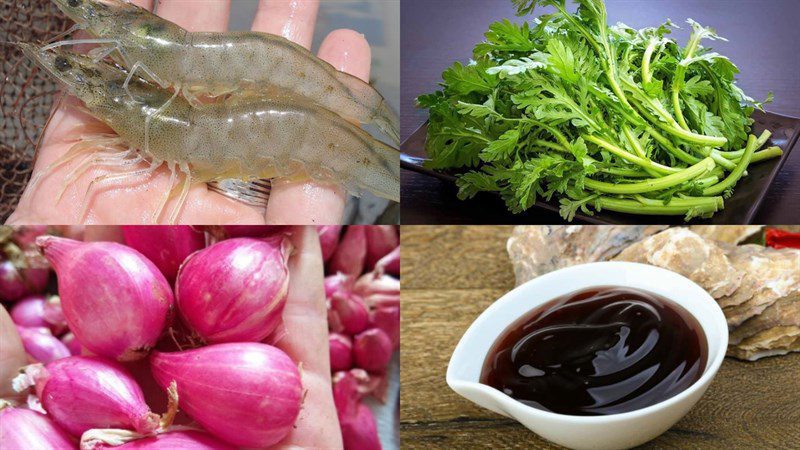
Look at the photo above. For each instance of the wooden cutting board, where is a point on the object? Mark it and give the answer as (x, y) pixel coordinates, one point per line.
(450, 274)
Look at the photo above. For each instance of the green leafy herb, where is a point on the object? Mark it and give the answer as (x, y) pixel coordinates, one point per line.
(599, 117)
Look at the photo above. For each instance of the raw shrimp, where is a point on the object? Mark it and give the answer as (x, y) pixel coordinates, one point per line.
(244, 137)
(221, 63)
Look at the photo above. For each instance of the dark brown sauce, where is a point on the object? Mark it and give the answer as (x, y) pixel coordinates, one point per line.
(599, 351)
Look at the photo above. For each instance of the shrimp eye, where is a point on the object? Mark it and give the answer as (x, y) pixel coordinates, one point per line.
(74, 3)
(62, 64)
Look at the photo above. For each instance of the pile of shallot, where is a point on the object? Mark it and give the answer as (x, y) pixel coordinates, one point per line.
(197, 312)
(362, 288)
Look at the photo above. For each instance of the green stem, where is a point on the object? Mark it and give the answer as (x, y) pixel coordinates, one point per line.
(767, 153)
(737, 172)
(620, 171)
(680, 74)
(630, 157)
(655, 184)
(700, 207)
(675, 151)
(637, 147)
(648, 54)
(759, 143)
(700, 139)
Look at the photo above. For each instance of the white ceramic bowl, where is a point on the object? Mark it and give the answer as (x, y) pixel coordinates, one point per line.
(588, 432)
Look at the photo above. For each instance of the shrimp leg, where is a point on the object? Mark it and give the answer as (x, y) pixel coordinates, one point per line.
(140, 65)
(111, 177)
(74, 152)
(75, 27)
(187, 181)
(167, 194)
(98, 159)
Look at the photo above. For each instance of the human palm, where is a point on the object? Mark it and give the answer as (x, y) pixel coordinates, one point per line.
(134, 200)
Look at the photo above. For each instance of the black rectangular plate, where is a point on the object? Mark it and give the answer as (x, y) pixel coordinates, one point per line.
(741, 208)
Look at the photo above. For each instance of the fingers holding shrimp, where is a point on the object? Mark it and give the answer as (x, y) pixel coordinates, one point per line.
(293, 20)
(347, 51)
(196, 15)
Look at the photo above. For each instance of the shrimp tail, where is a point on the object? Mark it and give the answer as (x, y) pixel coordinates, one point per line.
(375, 109)
(387, 121)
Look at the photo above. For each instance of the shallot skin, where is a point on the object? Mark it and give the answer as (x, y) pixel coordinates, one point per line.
(328, 240)
(41, 345)
(351, 253)
(85, 392)
(29, 312)
(247, 394)
(341, 351)
(114, 299)
(235, 290)
(372, 350)
(175, 440)
(37, 311)
(22, 428)
(166, 246)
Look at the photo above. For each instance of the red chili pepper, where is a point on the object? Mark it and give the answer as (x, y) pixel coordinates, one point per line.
(782, 239)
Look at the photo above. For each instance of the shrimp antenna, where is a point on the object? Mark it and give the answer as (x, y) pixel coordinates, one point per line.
(65, 33)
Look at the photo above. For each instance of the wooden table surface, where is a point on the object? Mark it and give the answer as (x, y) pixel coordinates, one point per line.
(451, 274)
(763, 35)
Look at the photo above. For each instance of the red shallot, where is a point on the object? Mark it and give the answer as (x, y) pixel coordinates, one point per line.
(378, 290)
(356, 420)
(388, 319)
(372, 350)
(85, 392)
(350, 256)
(166, 246)
(247, 394)
(29, 312)
(381, 239)
(235, 290)
(115, 300)
(328, 239)
(38, 311)
(41, 345)
(350, 312)
(359, 431)
(341, 352)
(22, 428)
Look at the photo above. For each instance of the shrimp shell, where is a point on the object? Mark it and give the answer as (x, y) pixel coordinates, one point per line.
(221, 63)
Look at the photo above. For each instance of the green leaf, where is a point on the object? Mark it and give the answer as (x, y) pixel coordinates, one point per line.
(562, 60)
(505, 37)
(514, 67)
(464, 80)
(654, 88)
(501, 148)
(486, 109)
(697, 87)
